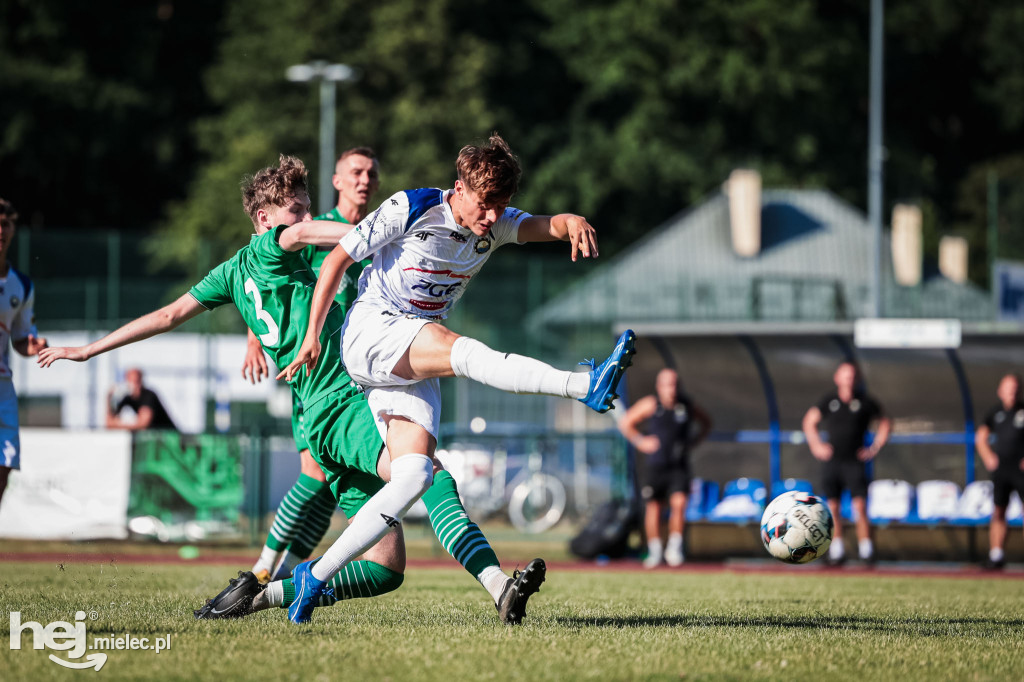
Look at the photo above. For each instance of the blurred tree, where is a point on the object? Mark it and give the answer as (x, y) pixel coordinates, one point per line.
(421, 96)
(96, 108)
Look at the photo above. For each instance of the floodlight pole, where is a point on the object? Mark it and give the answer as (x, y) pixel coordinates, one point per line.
(327, 75)
(876, 155)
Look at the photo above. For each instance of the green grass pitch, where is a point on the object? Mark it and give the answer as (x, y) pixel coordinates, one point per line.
(581, 626)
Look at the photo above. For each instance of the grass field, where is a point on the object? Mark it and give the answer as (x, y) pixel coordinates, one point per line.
(582, 626)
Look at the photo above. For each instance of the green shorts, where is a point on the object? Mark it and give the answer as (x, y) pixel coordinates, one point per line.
(298, 430)
(344, 440)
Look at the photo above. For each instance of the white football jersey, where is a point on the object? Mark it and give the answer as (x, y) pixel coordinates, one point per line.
(17, 319)
(422, 259)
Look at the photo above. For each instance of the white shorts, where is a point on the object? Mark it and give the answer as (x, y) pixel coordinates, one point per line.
(372, 342)
(10, 442)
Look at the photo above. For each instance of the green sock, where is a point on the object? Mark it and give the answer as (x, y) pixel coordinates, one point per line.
(314, 525)
(458, 535)
(292, 510)
(358, 580)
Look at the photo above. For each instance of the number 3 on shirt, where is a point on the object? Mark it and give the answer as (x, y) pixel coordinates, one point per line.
(273, 331)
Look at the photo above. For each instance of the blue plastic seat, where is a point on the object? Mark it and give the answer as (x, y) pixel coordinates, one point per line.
(790, 484)
(703, 498)
(742, 500)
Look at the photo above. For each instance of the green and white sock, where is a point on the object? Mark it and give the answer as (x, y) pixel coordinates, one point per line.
(357, 580)
(292, 511)
(461, 537)
(314, 525)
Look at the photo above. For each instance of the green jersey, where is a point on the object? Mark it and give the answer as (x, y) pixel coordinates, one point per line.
(273, 290)
(349, 287)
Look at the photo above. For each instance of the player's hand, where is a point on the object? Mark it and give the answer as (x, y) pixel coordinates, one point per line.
(866, 454)
(582, 237)
(35, 344)
(48, 356)
(992, 463)
(648, 444)
(254, 368)
(822, 451)
(307, 356)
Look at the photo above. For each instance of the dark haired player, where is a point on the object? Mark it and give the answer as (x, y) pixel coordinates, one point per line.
(427, 245)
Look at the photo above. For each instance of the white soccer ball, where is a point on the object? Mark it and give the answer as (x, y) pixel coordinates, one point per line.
(796, 527)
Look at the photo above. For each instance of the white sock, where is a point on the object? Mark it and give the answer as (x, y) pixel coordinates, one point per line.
(675, 542)
(654, 548)
(996, 554)
(275, 593)
(287, 564)
(411, 475)
(514, 373)
(494, 580)
(268, 557)
(865, 548)
(836, 550)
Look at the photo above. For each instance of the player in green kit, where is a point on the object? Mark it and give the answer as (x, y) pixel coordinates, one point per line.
(305, 512)
(271, 285)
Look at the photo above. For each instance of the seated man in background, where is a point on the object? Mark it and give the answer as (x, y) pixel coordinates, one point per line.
(149, 411)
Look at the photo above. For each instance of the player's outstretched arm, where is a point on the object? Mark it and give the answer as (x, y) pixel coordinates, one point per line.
(331, 272)
(566, 227)
(324, 233)
(151, 324)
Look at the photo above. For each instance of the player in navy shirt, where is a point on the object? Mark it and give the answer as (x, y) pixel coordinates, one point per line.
(670, 416)
(1000, 443)
(847, 413)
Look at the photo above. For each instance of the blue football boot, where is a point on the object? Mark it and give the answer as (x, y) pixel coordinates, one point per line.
(308, 591)
(605, 377)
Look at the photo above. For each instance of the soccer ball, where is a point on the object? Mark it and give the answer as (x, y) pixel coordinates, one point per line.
(796, 527)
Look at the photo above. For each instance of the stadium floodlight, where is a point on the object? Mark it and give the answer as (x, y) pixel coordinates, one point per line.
(327, 75)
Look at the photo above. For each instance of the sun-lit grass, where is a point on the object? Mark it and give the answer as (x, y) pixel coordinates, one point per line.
(582, 626)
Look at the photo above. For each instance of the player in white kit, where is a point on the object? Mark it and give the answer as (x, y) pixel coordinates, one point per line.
(17, 325)
(427, 245)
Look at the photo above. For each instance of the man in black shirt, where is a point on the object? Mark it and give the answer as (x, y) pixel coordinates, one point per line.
(847, 414)
(149, 411)
(670, 415)
(1004, 457)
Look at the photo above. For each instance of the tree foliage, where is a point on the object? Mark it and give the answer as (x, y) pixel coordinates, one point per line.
(625, 111)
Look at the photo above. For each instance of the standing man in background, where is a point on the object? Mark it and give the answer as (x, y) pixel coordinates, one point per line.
(1004, 458)
(18, 326)
(150, 412)
(846, 413)
(669, 415)
(305, 512)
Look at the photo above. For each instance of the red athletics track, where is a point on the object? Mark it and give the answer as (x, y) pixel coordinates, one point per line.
(767, 567)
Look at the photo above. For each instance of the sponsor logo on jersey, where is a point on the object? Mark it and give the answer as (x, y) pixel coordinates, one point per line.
(424, 236)
(1018, 419)
(681, 413)
(483, 245)
(854, 405)
(436, 289)
(455, 236)
(833, 405)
